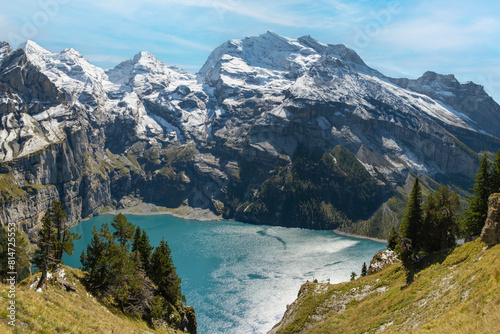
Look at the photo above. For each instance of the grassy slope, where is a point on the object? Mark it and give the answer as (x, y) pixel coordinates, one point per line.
(457, 292)
(58, 311)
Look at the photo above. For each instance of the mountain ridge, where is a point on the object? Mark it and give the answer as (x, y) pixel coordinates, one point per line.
(74, 132)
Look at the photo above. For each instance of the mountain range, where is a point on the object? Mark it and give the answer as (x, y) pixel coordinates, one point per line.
(271, 130)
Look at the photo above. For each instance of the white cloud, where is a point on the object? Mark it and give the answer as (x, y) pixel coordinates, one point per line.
(438, 33)
(163, 37)
(283, 13)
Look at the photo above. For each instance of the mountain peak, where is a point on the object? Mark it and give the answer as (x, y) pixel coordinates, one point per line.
(144, 57)
(336, 50)
(143, 69)
(35, 53)
(272, 35)
(31, 47)
(271, 51)
(433, 76)
(310, 41)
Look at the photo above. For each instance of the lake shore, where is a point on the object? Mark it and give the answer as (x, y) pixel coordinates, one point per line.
(344, 234)
(139, 208)
(148, 209)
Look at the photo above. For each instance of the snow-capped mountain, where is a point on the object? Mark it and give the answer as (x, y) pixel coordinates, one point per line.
(144, 129)
(273, 81)
(468, 99)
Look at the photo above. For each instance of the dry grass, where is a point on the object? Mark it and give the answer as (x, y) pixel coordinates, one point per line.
(452, 293)
(57, 311)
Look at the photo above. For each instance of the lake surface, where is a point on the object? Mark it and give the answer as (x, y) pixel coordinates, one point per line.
(240, 277)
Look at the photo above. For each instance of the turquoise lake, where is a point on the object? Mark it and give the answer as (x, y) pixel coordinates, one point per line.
(240, 277)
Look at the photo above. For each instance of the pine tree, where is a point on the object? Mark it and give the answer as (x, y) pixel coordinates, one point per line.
(412, 220)
(121, 278)
(393, 240)
(440, 226)
(363, 269)
(53, 241)
(44, 257)
(145, 249)
(447, 217)
(427, 234)
(119, 275)
(137, 237)
(353, 276)
(64, 238)
(58, 217)
(475, 215)
(23, 255)
(495, 174)
(164, 275)
(124, 230)
(116, 272)
(140, 298)
(95, 260)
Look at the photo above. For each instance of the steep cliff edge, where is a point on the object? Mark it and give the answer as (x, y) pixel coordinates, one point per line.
(455, 292)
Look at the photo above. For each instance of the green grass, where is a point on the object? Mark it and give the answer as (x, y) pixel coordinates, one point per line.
(8, 187)
(57, 311)
(454, 292)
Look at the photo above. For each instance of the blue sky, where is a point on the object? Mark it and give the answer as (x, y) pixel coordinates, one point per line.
(399, 38)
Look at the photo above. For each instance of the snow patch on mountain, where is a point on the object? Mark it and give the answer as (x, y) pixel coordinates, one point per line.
(144, 73)
(313, 71)
(23, 135)
(245, 86)
(69, 71)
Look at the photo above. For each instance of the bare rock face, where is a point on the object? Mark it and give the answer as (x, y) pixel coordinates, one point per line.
(467, 98)
(71, 131)
(382, 260)
(491, 230)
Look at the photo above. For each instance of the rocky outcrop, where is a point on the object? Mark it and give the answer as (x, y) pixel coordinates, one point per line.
(382, 260)
(491, 230)
(189, 323)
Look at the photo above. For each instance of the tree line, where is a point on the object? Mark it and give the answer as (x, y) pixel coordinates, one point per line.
(121, 267)
(435, 223)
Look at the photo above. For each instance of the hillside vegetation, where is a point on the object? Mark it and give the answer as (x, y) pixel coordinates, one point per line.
(57, 310)
(314, 189)
(453, 291)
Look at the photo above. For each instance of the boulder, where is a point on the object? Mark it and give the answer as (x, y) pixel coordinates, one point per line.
(382, 260)
(491, 230)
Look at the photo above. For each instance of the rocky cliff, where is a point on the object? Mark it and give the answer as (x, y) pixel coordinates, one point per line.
(490, 234)
(265, 120)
